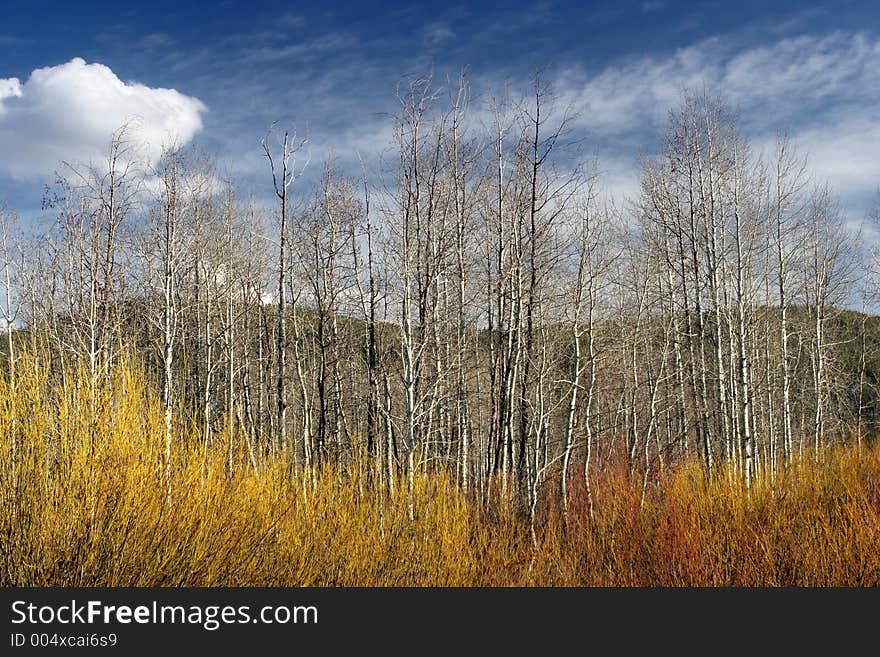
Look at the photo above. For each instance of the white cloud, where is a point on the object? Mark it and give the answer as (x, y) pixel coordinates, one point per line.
(69, 112)
(770, 84)
(848, 156)
(9, 88)
(437, 33)
(823, 90)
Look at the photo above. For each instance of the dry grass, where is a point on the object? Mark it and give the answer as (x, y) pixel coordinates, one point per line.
(90, 505)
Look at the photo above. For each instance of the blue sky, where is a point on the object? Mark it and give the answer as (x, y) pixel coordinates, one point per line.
(331, 70)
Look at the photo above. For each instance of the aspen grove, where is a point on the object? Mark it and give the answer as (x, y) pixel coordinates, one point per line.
(474, 330)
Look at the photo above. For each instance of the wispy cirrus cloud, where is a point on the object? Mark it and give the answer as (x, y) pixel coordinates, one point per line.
(437, 33)
(823, 90)
(769, 84)
(301, 51)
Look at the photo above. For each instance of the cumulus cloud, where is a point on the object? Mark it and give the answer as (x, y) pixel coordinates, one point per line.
(69, 112)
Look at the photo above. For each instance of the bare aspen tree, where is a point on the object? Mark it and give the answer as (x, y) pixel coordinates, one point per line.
(826, 272)
(498, 277)
(233, 302)
(463, 153)
(284, 173)
(13, 264)
(415, 205)
(322, 250)
(742, 299)
(588, 237)
(88, 280)
(786, 207)
(251, 294)
(362, 239)
(169, 244)
(546, 195)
